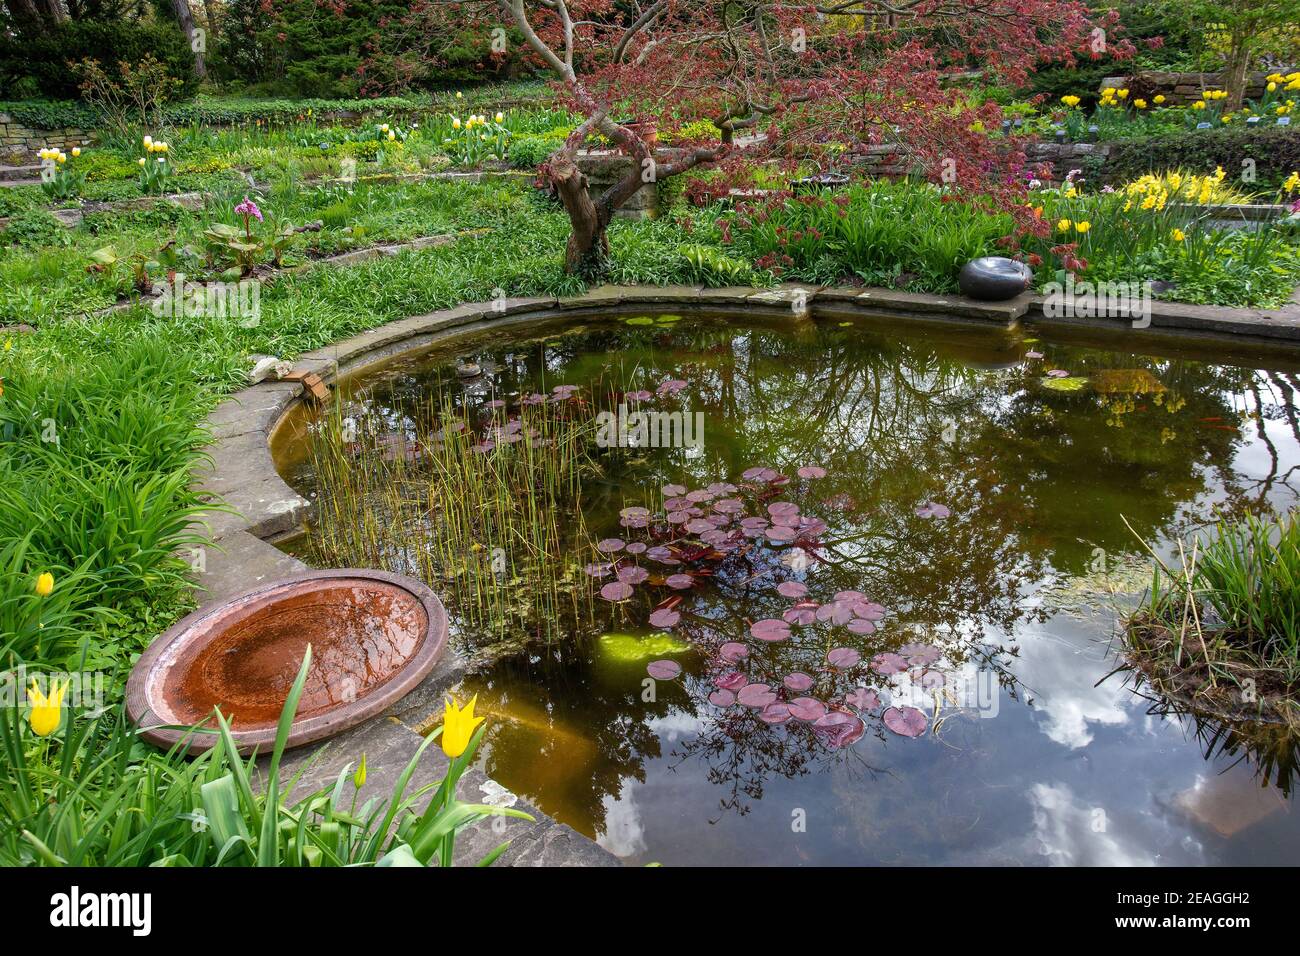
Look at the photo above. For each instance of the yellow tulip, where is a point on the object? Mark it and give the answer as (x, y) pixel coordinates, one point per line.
(455, 122)
(1178, 235)
(76, 151)
(1122, 94)
(1159, 98)
(1069, 100)
(46, 711)
(359, 778)
(500, 116)
(1272, 87)
(140, 160)
(148, 141)
(1199, 105)
(458, 94)
(1082, 226)
(44, 584)
(61, 158)
(458, 725)
(1063, 225)
(1140, 104)
(391, 136)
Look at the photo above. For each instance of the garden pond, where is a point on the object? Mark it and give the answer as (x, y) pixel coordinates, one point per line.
(762, 589)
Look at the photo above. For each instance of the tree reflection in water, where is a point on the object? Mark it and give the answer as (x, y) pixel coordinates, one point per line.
(1036, 480)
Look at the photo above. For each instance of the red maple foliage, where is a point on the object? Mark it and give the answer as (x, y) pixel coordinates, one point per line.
(824, 82)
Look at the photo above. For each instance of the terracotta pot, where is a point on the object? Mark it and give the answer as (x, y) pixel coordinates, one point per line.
(648, 130)
(374, 637)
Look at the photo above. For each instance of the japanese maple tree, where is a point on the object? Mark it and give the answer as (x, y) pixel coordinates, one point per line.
(790, 81)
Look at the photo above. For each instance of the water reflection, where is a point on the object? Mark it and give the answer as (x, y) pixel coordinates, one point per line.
(1071, 769)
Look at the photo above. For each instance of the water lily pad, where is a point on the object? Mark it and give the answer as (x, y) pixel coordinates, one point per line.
(888, 663)
(733, 652)
(664, 618)
(836, 612)
(932, 509)
(861, 626)
(633, 575)
(920, 655)
(770, 629)
(672, 491)
(732, 680)
(616, 591)
(803, 613)
(722, 698)
(807, 708)
(843, 657)
(905, 721)
(1072, 383)
(863, 698)
(610, 545)
(798, 682)
(792, 589)
(774, 713)
(839, 729)
(679, 582)
(811, 471)
(755, 695)
(663, 669)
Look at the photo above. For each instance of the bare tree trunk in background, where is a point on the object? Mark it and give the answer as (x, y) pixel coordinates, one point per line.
(210, 12)
(22, 11)
(54, 11)
(186, 20)
(1236, 70)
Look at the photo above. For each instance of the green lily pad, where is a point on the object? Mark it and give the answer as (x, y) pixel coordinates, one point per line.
(1070, 383)
(640, 320)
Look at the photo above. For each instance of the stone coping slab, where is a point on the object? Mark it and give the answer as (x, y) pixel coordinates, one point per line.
(252, 503)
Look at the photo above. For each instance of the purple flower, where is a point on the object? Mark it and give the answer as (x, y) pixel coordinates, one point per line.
(248, 208)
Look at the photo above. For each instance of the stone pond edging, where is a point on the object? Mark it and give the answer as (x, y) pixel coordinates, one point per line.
(253, 505)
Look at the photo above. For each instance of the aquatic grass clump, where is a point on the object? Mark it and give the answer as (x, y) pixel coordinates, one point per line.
(482, 504)
(1222, 629)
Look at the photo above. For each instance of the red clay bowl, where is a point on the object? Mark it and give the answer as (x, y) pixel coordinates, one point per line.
(374, 637)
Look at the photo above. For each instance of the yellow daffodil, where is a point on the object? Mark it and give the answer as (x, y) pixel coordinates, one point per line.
(1292, 182)
(44, 584)
(46, 711)
(1082, 226)
(1178, 235)
(1128, 204)
(1070, 100)
(1219, 173)
(458, 725)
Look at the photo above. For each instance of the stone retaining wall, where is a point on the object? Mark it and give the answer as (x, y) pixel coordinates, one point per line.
(1179, 89)
(19, 143)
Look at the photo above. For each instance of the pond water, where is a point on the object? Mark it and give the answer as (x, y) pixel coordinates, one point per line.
(902, 551)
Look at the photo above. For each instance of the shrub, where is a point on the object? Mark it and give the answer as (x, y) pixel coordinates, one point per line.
(1275, 151)
(45, 56)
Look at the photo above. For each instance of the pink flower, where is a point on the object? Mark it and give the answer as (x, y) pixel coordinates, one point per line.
(248, 208)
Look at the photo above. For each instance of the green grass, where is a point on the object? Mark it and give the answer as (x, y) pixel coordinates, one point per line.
(1222, 625)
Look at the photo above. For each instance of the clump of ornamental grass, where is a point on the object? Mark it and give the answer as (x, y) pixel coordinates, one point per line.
(484, 506)
(1220, 630)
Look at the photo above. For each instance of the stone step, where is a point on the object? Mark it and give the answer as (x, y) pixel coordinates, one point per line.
(9, 174)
